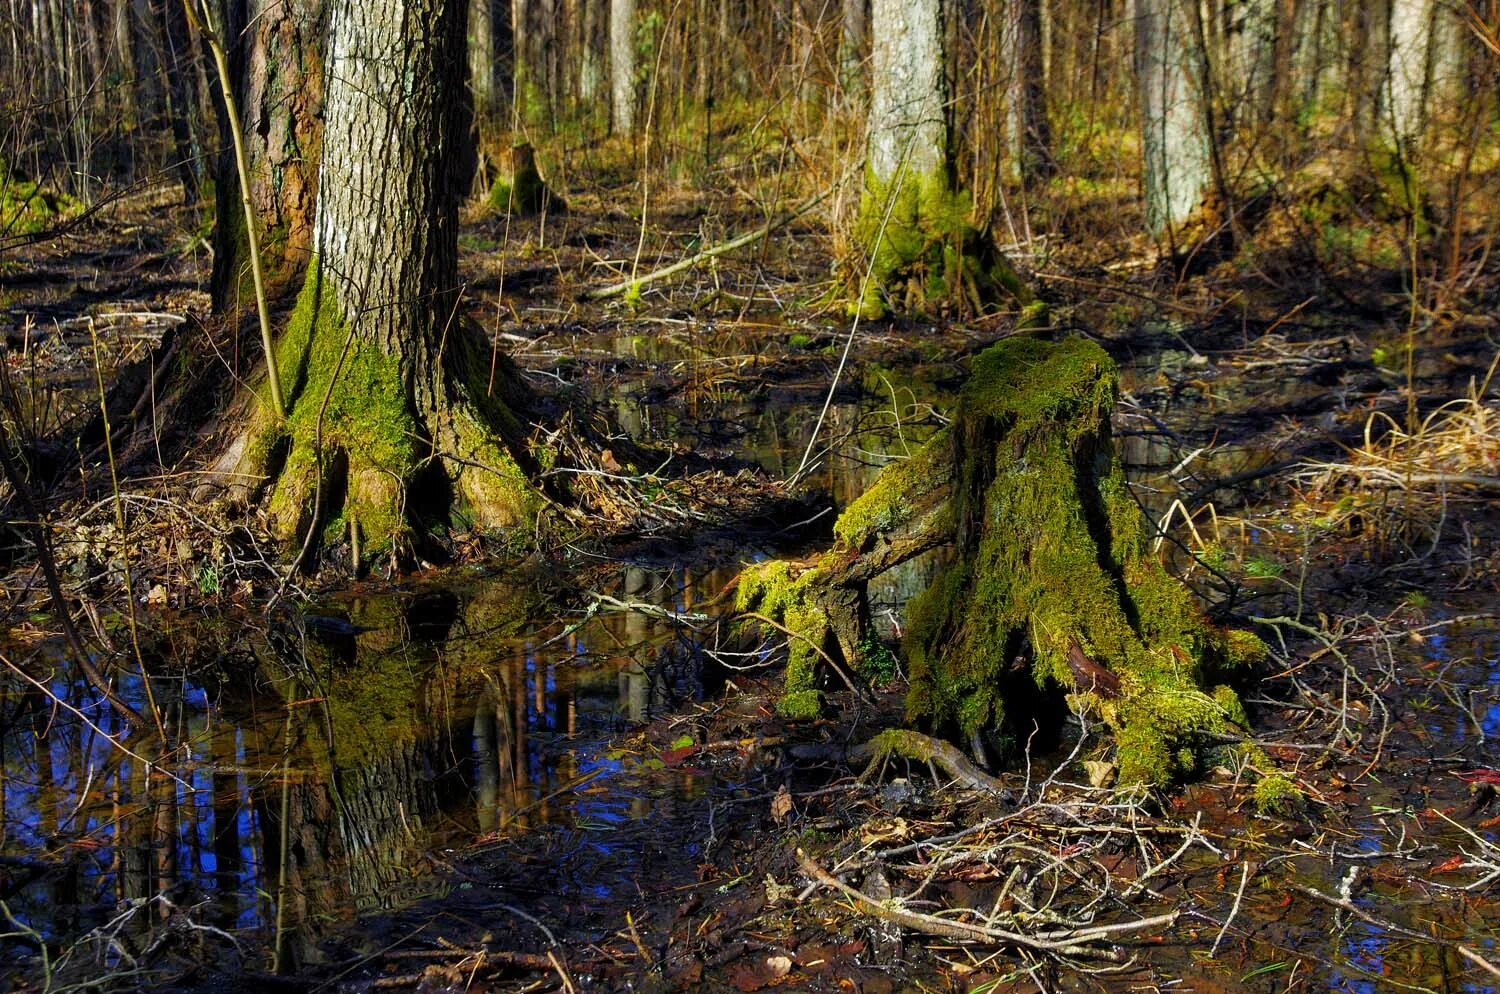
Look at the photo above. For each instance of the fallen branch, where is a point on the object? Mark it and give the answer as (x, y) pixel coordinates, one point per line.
(1466, 952)
(1066, 943)
(626, 286)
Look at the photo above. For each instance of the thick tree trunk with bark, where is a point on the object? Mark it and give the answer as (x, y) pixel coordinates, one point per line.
(385, 385)
(278, 68)
(1047, 576)
(1174, 123)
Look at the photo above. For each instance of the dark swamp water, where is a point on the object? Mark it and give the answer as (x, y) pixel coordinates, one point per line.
(335, 757)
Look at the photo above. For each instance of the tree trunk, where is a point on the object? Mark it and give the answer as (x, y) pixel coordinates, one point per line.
(906, 159)
(1407, 75)
(1174, 140)
(482, 64)
(854, 43)
(917, 248)
(385, 385)
(1048, 579)
(590, 63)
(1031, 135)
(278, 71)
(182, 100)
(622, 66)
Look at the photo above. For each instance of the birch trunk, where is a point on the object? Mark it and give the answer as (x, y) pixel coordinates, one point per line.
(1406, 78)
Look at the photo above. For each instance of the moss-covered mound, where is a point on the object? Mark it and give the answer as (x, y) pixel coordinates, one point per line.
(27, 208)
(1048, 563)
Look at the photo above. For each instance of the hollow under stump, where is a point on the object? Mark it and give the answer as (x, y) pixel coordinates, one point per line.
(1047, 576)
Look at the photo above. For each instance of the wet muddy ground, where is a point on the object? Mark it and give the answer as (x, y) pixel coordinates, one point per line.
(567, 774)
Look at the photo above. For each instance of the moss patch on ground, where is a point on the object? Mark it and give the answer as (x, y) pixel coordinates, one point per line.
(28, 209)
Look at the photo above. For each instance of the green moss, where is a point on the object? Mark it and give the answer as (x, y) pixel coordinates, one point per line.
(346, 396)
(28, 209)
(770, 589)
(1276, 795)
(922, 252)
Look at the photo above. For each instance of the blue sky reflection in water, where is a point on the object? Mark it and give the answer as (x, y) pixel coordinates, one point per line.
(481, 727)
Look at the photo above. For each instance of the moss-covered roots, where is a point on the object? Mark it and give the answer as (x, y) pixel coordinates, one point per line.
(1048, 560)
(356, 427)
(923, 254)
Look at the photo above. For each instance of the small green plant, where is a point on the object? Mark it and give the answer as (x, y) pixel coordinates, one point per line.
(1261, 568)
(210, 583)
(876, 662)
(799, 340)
(1276, 795)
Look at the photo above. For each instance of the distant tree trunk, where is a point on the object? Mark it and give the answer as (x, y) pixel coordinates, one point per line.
(590, 63)
(385, 385)
(1174, 139)
(1369, 28)
(482, 64)
(1407, 76)
(278, 67)
(182, 100)
(1031, 135)
(622, 66)
(854, 41)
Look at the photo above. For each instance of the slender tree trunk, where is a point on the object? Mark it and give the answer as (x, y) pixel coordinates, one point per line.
(622, 66)
(1031, 135)
(854, 43)
(482, 63)
(1407, 76)
(182, 104)
(1174, 140)
(590, 63)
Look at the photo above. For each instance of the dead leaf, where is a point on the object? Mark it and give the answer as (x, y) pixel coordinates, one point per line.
(156, 596)
(781, 805)
(754, 975)
(1101, 774)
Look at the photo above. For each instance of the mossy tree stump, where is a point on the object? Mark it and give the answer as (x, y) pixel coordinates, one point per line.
(1048, 576)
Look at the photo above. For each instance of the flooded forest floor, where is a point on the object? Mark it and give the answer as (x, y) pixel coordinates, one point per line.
(566, 772)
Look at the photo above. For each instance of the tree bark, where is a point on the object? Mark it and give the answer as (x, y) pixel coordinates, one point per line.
(1174, 140)
(278, 69)
(1047, 579)
(386, 386)
(482, 63)
(1031, 135)
(1407, 75)
(622, 66)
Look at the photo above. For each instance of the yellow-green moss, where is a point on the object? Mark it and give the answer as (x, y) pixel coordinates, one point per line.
(888, 502)
(770, 589)
(921, 250)
(367, 417)
(27, 209)
(1276, 795)
(1061, 558)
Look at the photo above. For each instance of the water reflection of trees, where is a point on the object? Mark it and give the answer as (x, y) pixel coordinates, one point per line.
(314, 771)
